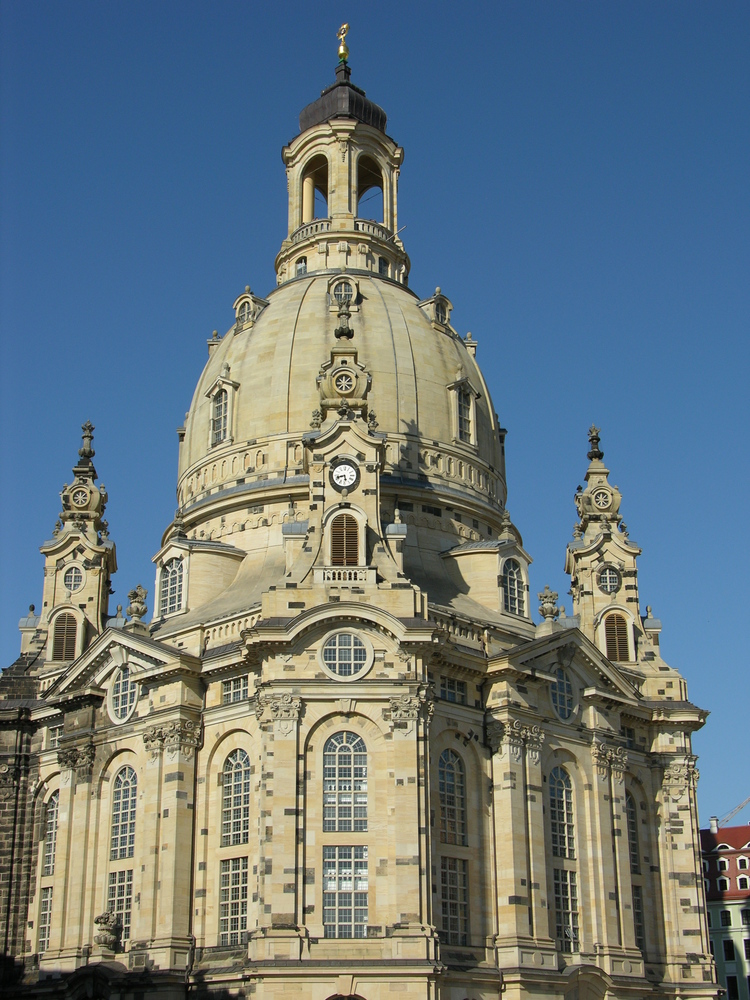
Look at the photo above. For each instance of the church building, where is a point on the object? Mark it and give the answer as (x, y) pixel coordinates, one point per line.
(342, 760)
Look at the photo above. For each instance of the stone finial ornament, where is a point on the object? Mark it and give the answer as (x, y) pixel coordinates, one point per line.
(595, 453)
(343, 329)
(137, 606)
(86, 452)
(548, 608)
(110, 931)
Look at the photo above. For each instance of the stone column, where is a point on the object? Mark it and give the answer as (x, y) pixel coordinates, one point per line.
(175, 742)
(519, 836)
(681, 879)
(409, 716)
(77, 856)
(279, 934)
(602, 929)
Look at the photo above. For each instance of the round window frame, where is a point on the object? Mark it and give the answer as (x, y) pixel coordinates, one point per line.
(614, 570)
(344, 393)
(110, 695)
(600, 492)
(369, 650)
(69, 569)
(574, 694)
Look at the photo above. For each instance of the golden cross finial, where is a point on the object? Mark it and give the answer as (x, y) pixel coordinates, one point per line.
(343, 47)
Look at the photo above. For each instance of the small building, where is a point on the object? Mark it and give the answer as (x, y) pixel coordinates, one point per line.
(726, 876)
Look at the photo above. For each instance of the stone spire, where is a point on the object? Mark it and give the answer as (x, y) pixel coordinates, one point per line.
(601, 560)
(599, 502)
(83, 503)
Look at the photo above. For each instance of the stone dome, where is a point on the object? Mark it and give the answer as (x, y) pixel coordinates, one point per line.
(271, 367)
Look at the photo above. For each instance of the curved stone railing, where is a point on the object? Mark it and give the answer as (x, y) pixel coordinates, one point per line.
(311, 229)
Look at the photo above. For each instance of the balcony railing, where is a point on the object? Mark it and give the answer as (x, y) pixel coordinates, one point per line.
(311, 229)
(344, 575)
(319, 226)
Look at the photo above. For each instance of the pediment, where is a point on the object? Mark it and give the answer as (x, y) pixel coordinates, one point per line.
(570, 648)
(110, 651)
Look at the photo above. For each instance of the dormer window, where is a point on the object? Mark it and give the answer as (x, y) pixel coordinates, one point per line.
(171, 587)
(441, 314)
(464, 415)
(513, 587)
(244, 313)
(219, 417)
(301, 267)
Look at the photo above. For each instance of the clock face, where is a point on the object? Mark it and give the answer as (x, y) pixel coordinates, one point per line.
(80, 498)
(344, 475)
(601, 499)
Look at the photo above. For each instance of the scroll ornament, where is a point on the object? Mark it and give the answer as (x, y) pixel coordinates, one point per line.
(608, 757)
(179, 736)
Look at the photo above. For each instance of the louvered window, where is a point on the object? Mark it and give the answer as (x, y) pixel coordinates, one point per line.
(344, 541)
(616, 635)
(64, 638)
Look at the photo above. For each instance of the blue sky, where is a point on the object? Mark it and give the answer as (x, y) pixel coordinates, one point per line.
(575, 179)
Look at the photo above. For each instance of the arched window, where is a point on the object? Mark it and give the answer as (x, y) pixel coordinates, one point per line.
(235, 817)
(64, 638)
(124, 793)
(513, 587)
(171, 587)
(219, 416)
(244, 313)
(50, 833)
(369, 189)
(344, 541)
(561, 814)
(382, 267)
(616, 637)
(345, 783)
(561, 691)
(464, 409)
(631, 814)
(565, 876)
(124, 694)
(452, 789)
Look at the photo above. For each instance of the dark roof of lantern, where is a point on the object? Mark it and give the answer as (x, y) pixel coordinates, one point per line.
(342, 100)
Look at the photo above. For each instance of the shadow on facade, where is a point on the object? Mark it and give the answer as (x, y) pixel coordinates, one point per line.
(103, 981)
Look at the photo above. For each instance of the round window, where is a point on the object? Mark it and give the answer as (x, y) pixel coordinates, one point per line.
(123, 695)
(609, 580)
(345, 655)
(562, 694)
(601, 499)
(344, 383)
(73, 579)
(343, 292)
